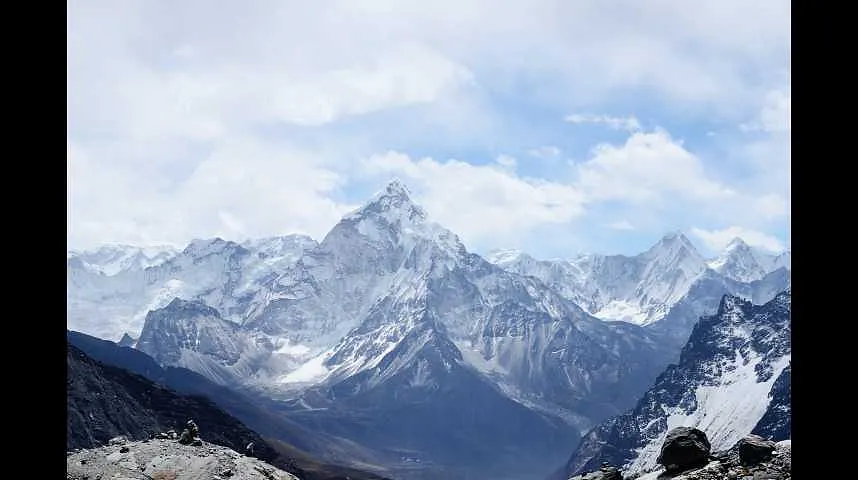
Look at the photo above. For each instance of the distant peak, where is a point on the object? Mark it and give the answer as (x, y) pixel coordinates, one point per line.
(187, 307)
(674, 236)
(674, 246)
(394, 192)
(202, 247)
(126, 340)
(736, 243)
(672, 240)
(397, 188)
(393, 202)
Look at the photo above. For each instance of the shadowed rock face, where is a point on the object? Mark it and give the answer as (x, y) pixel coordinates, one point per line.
(683, 448)
(739, 336)
(125, 362)
(104, 402)
(777, 421)
(768, 460)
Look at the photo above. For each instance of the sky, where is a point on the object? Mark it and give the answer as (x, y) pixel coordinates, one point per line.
(551, 126)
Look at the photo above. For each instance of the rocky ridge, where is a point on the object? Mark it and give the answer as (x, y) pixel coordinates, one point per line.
(167, 459)
(751, 458)
(731, 380)
(686, 455)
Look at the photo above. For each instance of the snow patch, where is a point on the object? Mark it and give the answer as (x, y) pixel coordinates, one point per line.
(293, 350)
(312, 371)
(725, 412)
(624, 311)
(500, 257)
(422, 375)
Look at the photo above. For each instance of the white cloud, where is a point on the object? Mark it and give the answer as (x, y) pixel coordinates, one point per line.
(480, 202)
(628, 123)
(775, 114)
(142, 103)
(189, 119)
(717, 240)
(654, 174)
(506, 161)
(621, 225)
(647, 167)
(241, 189)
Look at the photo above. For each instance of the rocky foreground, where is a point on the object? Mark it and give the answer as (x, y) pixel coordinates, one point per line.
(167, 459)
(686, 455)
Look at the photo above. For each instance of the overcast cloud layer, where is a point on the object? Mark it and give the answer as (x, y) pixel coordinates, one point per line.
(548, 125)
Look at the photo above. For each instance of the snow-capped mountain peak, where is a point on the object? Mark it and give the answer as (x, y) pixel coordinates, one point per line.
(672, 244)
(202, 247)
(736, 243)
(392, 204)
(729, 374)
(391, 220)
(110, 260)
(396, 188)
(191, 334)
(741, 262)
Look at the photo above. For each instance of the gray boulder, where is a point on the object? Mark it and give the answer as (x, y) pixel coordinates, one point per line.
(754, 449)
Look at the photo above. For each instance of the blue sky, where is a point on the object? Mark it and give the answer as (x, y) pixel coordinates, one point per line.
(551, 126)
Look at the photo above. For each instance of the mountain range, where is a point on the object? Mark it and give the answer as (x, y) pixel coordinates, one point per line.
(390, 334)
(114, 390)
(732, 379)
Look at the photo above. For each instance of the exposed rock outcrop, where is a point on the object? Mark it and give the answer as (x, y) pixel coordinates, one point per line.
(166, 459)
(606, 472)
(104, 402)
(754, 449)
(684, 448)
(751, 458)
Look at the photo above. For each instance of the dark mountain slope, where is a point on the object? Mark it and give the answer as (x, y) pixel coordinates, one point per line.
(307, 450)
(105, 401)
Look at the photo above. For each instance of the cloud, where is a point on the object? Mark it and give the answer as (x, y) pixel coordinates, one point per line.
(142, 103)
(648, 167)
(620, 225)
(545, 151)
(506, 161)
(629, 123)
(654, 178)
(241, 189)
(480, 203)
(192, 119)
(650, 175)
(774, 116)
(717, 240)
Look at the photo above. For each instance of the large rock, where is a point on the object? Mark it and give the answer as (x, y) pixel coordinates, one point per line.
(684, 448)
(754, 449)
(607, 472)
(727, 466)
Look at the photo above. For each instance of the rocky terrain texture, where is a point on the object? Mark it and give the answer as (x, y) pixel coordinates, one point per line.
(167, 459)
(103, 402)
(732, 380)
(751, 458)
(404, 350)
(686, 455)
